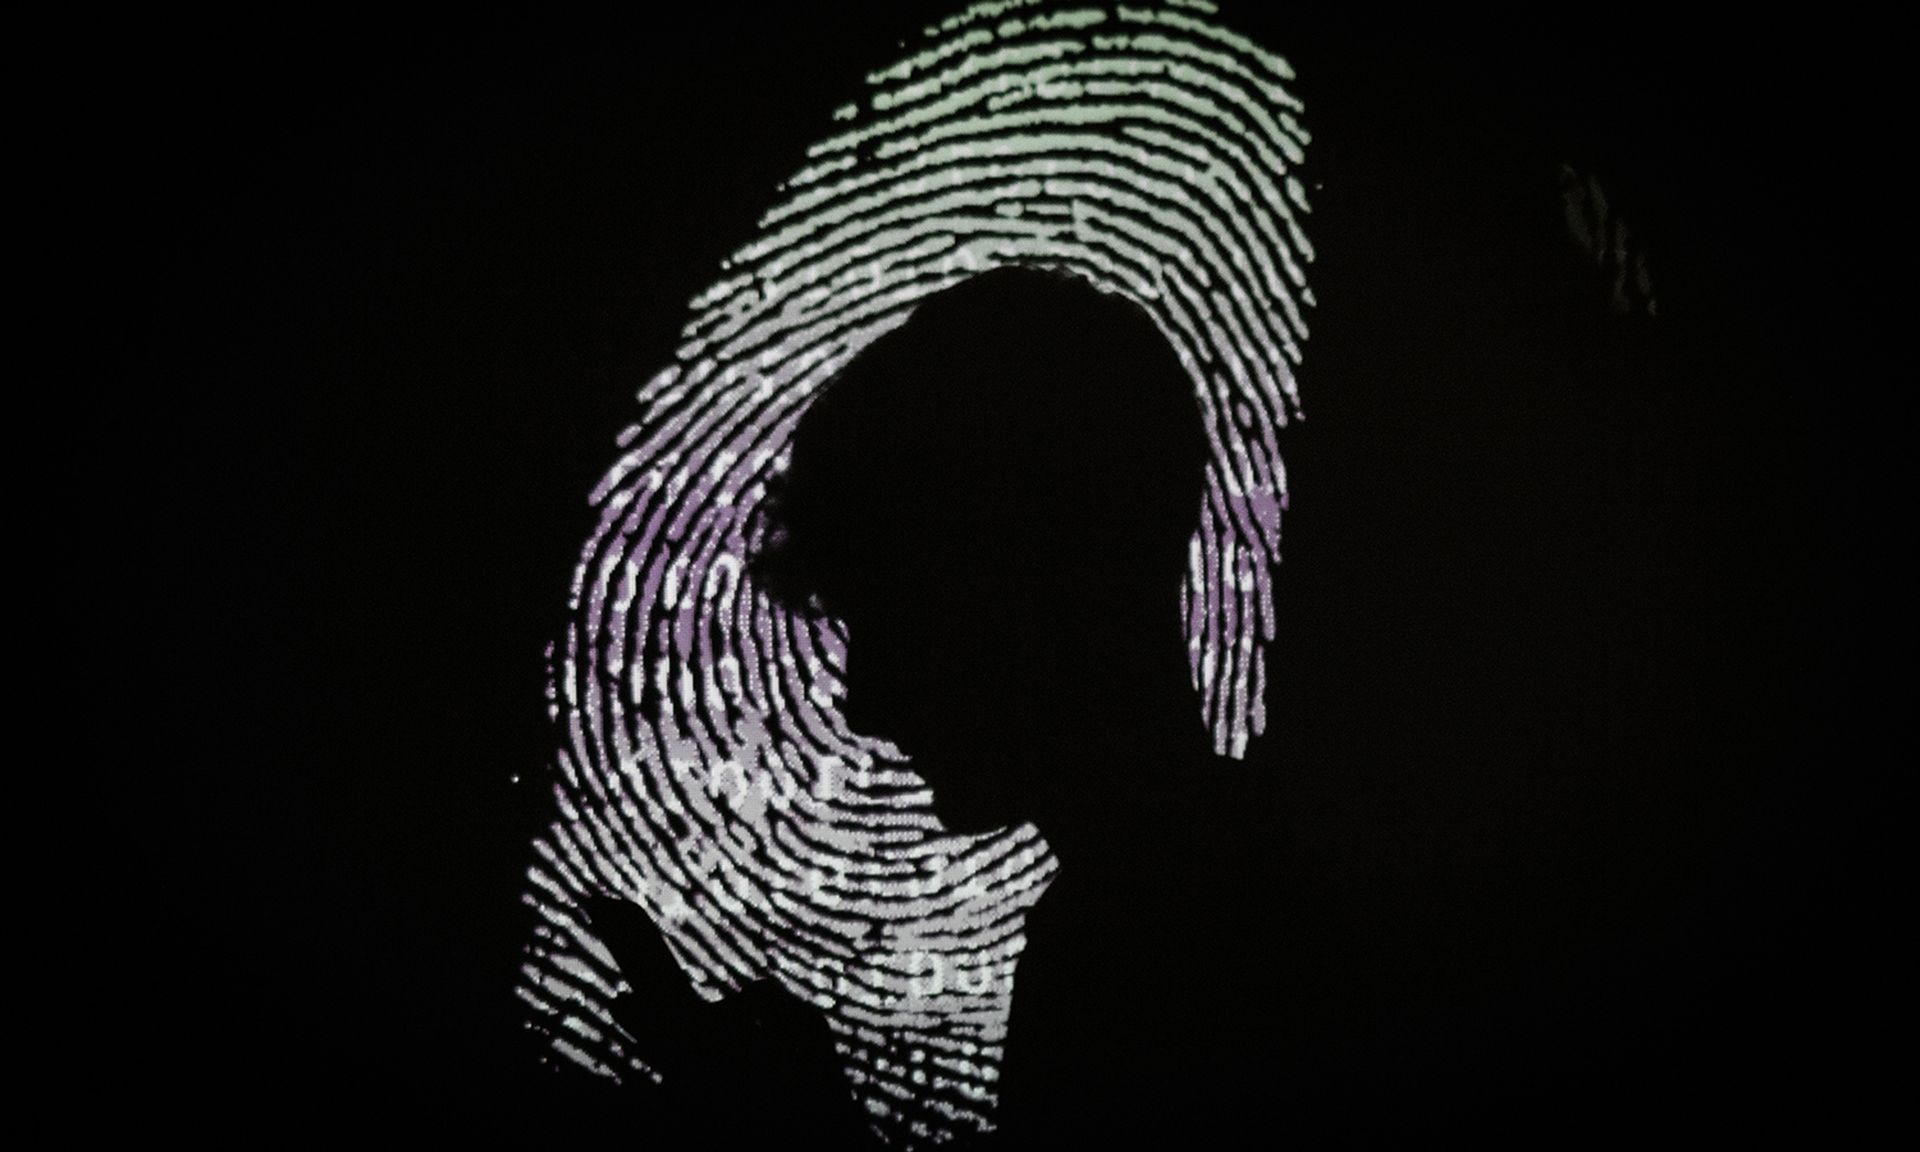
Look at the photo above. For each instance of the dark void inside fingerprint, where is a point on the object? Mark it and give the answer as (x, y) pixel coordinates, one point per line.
(996, 498)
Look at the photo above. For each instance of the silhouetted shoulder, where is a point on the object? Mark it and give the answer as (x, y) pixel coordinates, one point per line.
(1144, 1007)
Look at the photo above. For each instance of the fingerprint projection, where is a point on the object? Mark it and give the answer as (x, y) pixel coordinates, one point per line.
(706, 773)
(1603, 237)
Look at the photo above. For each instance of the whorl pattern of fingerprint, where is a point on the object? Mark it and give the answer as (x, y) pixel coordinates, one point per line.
(706, 773)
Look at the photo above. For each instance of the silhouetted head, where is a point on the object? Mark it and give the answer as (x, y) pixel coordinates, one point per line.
(996, 499)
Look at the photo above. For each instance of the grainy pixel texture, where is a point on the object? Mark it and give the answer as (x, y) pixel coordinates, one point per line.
(705, 771)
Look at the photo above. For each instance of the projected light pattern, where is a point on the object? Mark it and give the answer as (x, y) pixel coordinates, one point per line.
(706, 773)
(1614, 248)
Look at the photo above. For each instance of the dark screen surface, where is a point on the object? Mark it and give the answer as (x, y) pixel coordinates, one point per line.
(1574, 769)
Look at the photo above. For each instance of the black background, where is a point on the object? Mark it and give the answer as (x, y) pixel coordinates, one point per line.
(1580, 689)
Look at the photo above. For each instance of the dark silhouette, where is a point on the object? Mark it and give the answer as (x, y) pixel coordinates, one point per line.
(752, 1071)
(997, 499)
